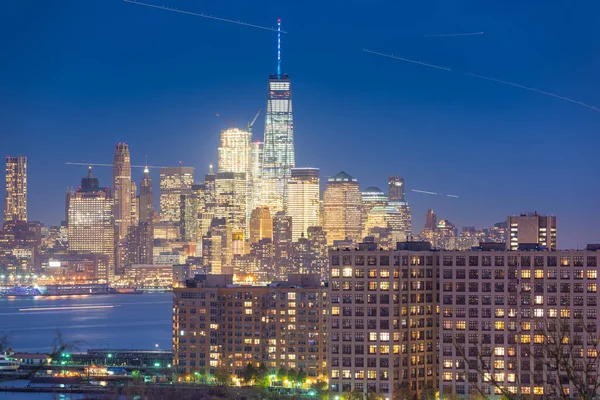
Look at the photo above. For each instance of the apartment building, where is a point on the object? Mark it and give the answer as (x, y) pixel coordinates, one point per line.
(504, 312)
(219, 324)
(383, 320)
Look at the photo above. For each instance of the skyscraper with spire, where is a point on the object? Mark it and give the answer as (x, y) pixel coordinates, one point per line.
(278, 153)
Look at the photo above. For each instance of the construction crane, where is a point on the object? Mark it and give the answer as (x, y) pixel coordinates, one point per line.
(111, 165)
(250, 124)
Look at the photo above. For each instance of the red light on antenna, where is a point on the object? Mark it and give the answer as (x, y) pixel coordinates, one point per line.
(278, 20)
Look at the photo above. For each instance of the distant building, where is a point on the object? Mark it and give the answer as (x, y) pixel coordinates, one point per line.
(531, 228)
(77, 266)
(174, 181)
(149, 276)
(342, 208)
(303, 200)
(231, 192)
(282, 243)
(124, 202)
(234, 151)
(15, 202)
(91, 221)
(261, 225)
(188, 220)
(146, 198)
(396, 189)
(283, 326)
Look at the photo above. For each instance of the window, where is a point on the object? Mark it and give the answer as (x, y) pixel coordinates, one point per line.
(335, 260)
(347, 272)
(592, 274)
(591, 288)
(384, 272)
(525, 274)
(335, 272)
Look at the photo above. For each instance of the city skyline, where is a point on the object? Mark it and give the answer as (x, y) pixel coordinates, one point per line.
(489, 190)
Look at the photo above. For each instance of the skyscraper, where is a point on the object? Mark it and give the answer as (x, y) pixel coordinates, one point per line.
(146, 201)
(122, 194)
(302, 202)
(234, 151)
(342, 208)
(15, 203)
(430, 220)
(91, 222)
(282, 243)
(396, 188)
(261, 225)
(174, 181)
(231, 193)
(278, 156)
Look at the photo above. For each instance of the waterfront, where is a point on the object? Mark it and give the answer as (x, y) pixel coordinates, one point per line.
(124, 321)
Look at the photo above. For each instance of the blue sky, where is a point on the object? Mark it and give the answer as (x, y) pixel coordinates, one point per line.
(78, 76)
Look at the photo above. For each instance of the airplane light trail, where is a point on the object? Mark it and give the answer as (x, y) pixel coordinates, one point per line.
(406, 59)
(454, 34)
(556, 96)
(65, 308)
(433, 193)
(533, 90)
(203, 15)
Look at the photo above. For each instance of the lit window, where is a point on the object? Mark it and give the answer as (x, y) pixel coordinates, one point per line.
(499, 351)
(525, 273)
(335, 273)
(372, 336)
(538, 312)
(565, 313)
(384, 285)
(539, 274)
(538, 338)
(499, 377)
(538, 390)
(591, 288)
(592, 274)
(461, 325)
(335, 373)
(384, 349)
(592, 353)
(447, 324)
(335, 310)
(499, 364)
(499, 325)
(347, 272)
(384, 336)
(538, 299)
(447, 363)
(525, 339)
(552, 313)
(371, 374)
(447, 376)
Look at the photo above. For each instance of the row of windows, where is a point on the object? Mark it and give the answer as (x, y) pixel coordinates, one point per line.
(525, 299)
(514, 274)
(460, 260)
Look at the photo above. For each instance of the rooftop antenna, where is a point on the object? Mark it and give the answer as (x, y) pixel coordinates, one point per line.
(279, 48)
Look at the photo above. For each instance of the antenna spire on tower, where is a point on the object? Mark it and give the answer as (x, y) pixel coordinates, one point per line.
(279, 48)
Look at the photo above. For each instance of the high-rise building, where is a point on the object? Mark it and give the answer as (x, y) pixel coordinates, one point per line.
(15, 203)
(217, 246)
(91, 223)
(524, 321)
(382, 333)
(188, 224)
(256, 170)
(282, 243)
(174, 181)
(319, 250)
(532, 229)
(261, 225)
(140, 244)
(430, 220)
(146, 200)
(302, 202)
(342, 208)
(278, 154)
(234, 151)
(396, 188)
(122, 195)
(287, 329)
(230, 198)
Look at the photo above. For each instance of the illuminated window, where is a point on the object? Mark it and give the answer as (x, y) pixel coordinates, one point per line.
(447, 324)
(384, 349)
(384, 273)
(447, 376)
(538, 338)
(592, 353)
(499, 364)
(335, 373)
(565, 313)
(511, 377)
(592, 274)
(372, 285)
(538, 299)
(499, 351)
(539, 274)
(538, 390)
(335, 310)
(347, 272)
(525, 339)
(525, 273)
(499, 377)
(335, 273)
(499, 325)
(525, 325)
(384, 336)
(461, 325)
(372, 336)
(591, 288)
(384, 285)
(499, 312)
(552, 313)
(359, 375)
(372, 349)
(371, 374)
(538, 312)
(447, 363)
(346, 374)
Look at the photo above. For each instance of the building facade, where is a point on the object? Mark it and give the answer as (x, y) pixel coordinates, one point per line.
(532, 229)
(15, 202)
(174, 181)
(303, 200)
(220, 325)
(123, 194)
(383, 322)
(342, 208)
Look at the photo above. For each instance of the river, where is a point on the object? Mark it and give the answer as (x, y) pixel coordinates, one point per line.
(118, 321)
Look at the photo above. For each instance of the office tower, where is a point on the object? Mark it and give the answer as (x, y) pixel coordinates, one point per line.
(261, 225)
(234, 151)
(342, 208)
(263, 252)
(256, 169)
(209, 190)
(174, 181)
(230, 198)
(146, 200)
(278, 154)
(287, 329)
(532, 229)
(15, 202)
(430, 220)
(302, 203)
(371, 197)
(382, 333)
(319, 250)
(91, 223)
(123, 206)
(217, 247)
(140, 244)
(525, 321)
(396, 188)
(188, 223)
(282, 243)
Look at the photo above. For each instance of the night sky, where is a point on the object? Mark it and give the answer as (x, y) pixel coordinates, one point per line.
(78, 76)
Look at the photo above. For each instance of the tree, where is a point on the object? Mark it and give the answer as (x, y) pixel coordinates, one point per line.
(301, 376)
(292, 376)
(248, 374)
(282, 373)
(223, 376)
(261, 376)
(403, 391)
(353, 395)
